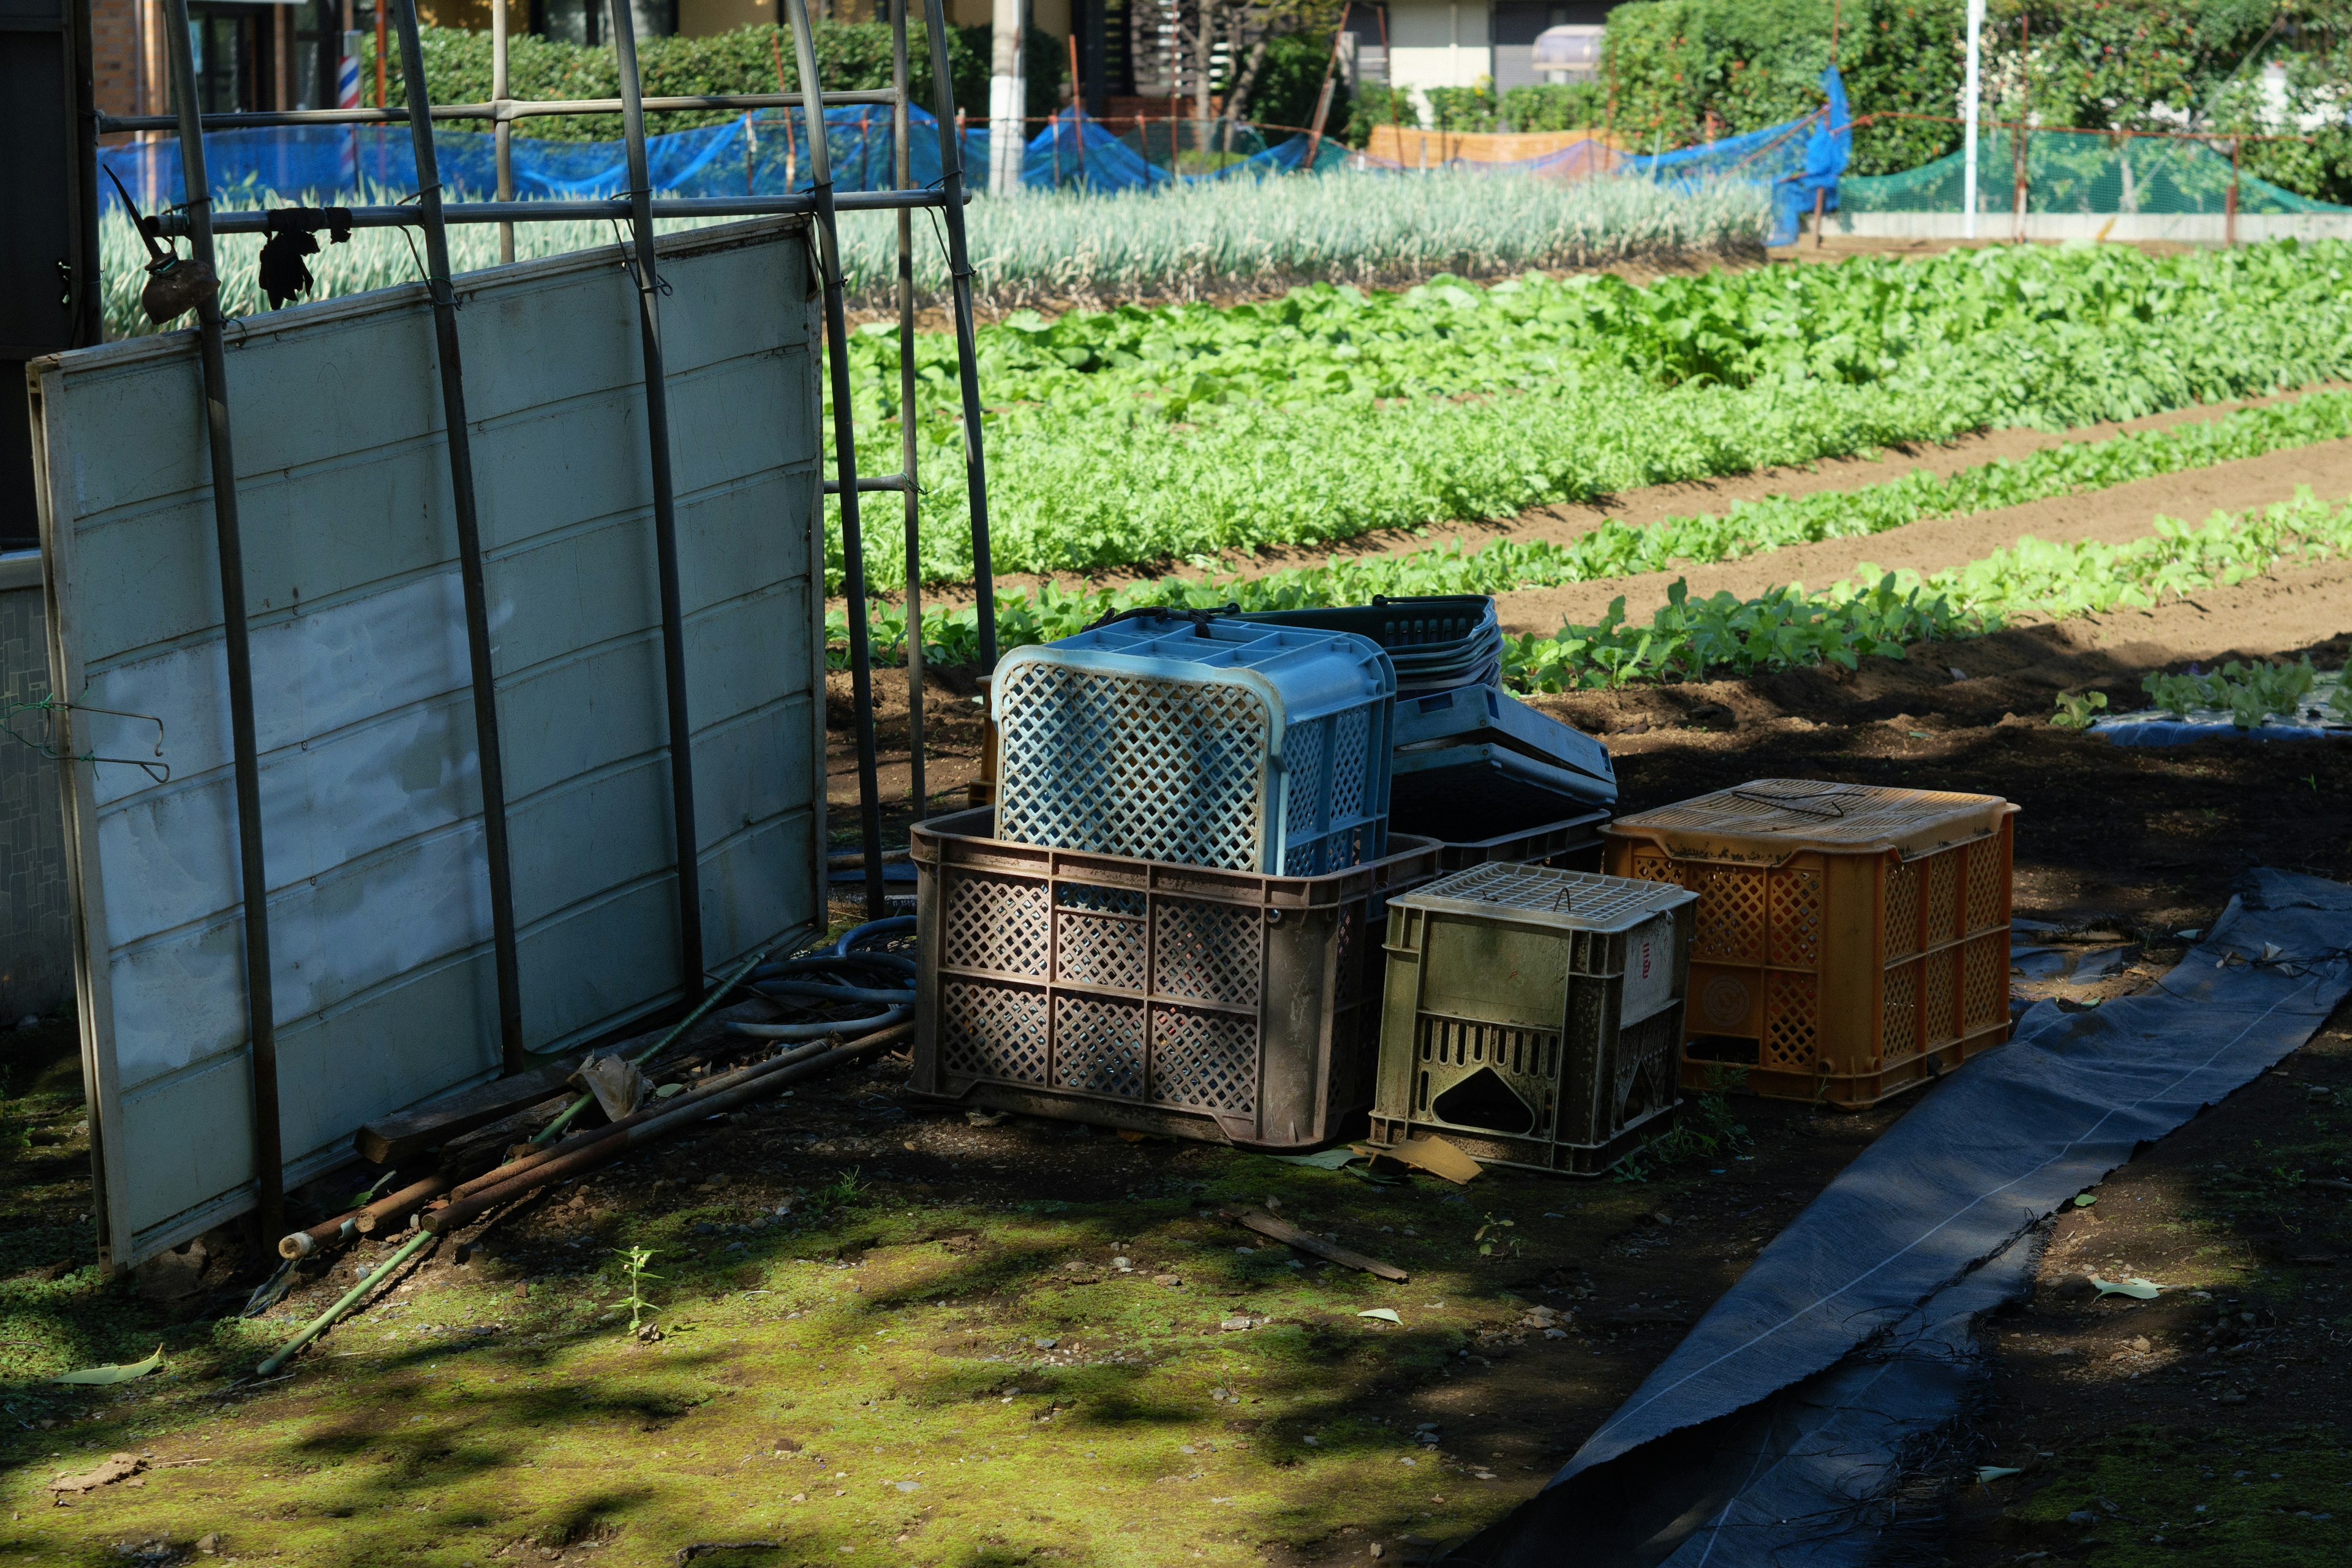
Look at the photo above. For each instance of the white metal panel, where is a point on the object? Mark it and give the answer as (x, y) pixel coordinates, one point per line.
(370, 782)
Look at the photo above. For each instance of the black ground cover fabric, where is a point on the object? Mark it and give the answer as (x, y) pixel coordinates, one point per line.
(1778, 1431)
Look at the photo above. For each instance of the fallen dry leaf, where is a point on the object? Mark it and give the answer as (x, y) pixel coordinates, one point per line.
(112, 1468)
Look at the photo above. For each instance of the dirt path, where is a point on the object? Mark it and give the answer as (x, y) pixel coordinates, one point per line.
(2109, 516)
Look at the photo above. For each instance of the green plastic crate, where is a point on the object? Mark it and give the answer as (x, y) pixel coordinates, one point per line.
(1533, 1017)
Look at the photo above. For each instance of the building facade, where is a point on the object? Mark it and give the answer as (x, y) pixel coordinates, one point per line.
(283, 53)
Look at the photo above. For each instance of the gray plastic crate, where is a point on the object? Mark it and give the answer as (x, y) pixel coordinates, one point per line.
(1532, 1017)
(1224, 1006)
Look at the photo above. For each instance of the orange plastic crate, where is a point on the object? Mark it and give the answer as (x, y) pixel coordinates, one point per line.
(1851, 941)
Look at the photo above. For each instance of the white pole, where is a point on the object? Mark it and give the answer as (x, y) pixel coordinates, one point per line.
(1004, 105)
(1969, 114)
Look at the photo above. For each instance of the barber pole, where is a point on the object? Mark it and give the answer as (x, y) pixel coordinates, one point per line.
(347, 96)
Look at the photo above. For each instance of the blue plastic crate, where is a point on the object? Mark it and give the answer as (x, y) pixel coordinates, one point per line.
(1203, 740)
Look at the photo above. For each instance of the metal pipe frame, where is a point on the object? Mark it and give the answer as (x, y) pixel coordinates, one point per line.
(197, 222)
(513, 1056)
(253, 881)
(903, 176)
(959, 274)
(673, 616)
(844, 457)
(168, 225)
(497, 109)
(502, 134)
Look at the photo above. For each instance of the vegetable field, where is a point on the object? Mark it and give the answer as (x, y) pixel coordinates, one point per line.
(1157, 438)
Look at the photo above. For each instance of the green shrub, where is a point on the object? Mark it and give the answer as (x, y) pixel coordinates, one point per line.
(1469, 109)
(1291, 80)
(1555, 106)
(852, 56)
(1377, 103)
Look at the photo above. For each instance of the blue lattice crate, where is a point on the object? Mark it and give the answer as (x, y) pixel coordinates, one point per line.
(1201, 741)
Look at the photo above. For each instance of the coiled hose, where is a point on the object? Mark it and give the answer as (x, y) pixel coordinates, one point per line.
(861, 977)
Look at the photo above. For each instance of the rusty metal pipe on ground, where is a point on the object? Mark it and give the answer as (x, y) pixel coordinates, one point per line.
(326, 1233)
(578, 1141)
(619, 1141)
(392, 1212)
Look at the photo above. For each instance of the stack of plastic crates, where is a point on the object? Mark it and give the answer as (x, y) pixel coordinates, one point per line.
(1852, 941)
(1226, 1006)
(1533, 1015)
(1495, 780)
(1437, 641)
(1475, 768)
(1199, 739)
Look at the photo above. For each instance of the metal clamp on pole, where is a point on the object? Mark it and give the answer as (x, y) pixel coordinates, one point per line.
(681, 730)
(253, 882)
(513, 1058)
(844, 457)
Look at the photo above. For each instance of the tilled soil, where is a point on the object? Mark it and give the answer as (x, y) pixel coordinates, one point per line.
(2117, 845)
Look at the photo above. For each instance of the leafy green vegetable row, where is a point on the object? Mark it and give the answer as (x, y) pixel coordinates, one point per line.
(1136, 435)
(1616, 549)
(1880, 613)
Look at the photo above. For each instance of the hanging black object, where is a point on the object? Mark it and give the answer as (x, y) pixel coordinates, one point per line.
(283, 274)
(175, 284)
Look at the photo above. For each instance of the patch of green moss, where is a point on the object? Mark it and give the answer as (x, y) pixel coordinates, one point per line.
(2144, 1497)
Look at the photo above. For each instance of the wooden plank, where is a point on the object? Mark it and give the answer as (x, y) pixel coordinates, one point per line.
(405, 1134)
(1290, 1235)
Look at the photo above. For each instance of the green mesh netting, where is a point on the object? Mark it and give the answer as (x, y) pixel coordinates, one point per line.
(2078, 171)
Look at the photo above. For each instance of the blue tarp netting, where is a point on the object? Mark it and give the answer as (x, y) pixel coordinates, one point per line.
(764, 153)
(1797, 158)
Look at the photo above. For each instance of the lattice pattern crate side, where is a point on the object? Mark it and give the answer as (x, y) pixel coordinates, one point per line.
(1207, 952)
(1210, 1005)
(1984, 982)
(1241, 746)
(1793, 936)
(1651, 865)
(1940, 1018)
(1903, 911)
(1943, 879)
(1987, 876)
(1098, 1046)
(1098, 950)
(1002, 924)
(1731, 911)
(1205, 1060)
(989, 1030)
(1899, 1021)
(1791, 1019)
(1305, 756)
(1138, 765)
(1353, 766)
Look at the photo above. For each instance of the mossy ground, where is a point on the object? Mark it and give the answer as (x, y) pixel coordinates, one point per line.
(936, 1357)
